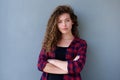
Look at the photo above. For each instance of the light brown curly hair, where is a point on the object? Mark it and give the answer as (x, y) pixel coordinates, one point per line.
(53, 35)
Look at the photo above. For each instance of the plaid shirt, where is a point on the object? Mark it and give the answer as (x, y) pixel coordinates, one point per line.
(77, 47)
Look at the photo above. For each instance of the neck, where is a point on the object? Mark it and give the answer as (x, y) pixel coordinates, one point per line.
(67, 36)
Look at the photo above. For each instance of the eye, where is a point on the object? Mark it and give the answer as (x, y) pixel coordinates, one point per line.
(67, 20)
(60, 21)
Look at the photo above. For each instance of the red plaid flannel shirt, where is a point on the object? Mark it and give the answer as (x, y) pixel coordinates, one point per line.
(77, 47)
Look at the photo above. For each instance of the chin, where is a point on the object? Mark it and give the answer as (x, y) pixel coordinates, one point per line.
(64, 32)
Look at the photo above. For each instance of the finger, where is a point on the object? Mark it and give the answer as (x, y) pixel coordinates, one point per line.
(76, 58)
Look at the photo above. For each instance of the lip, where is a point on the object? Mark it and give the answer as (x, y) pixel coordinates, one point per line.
(65, 28)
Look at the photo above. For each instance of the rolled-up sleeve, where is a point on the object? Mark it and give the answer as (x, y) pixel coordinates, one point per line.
(42, 60)
(77, 66)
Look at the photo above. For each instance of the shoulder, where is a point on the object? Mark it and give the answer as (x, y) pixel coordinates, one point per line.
(80, 41)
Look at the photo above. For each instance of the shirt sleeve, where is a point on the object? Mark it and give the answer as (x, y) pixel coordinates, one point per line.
(77, 66)
(42, 61)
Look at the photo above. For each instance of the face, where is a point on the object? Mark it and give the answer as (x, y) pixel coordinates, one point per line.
(65, 23)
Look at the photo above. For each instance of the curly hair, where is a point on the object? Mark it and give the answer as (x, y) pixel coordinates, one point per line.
(53, 35)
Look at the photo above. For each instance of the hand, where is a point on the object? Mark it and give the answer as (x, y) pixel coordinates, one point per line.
(76, 58)
(51, 61)
(59, 63)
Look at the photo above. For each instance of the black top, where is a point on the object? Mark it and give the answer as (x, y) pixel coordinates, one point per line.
(60, 53)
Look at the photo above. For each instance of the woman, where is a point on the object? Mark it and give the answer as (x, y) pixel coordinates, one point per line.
(63, 53)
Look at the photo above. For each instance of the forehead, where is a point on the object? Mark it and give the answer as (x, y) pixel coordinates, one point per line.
(64, 16)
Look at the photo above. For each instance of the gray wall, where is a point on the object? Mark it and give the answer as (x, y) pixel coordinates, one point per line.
(22, 27)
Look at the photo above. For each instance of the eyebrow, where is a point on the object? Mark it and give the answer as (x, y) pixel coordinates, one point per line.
(65, 18)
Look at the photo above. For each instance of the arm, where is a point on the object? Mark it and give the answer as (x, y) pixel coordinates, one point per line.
(77, 65)
(61, 64)
(49, 68)
(44, 66)
(72, 66)
(42, 60)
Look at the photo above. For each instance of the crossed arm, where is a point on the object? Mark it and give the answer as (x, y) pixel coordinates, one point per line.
(57, 66)
(63, 67)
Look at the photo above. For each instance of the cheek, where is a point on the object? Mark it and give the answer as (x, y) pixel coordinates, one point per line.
(70, 26)
(59, 26)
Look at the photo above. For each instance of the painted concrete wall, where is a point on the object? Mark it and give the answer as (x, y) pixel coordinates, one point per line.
(22, 27)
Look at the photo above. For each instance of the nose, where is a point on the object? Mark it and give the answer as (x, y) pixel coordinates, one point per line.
(64, 23)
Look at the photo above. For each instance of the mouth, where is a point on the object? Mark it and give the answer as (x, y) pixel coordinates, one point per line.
(64, 28)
